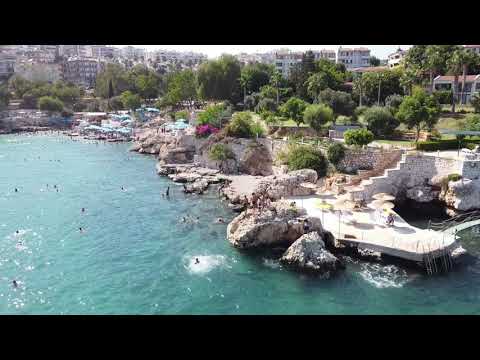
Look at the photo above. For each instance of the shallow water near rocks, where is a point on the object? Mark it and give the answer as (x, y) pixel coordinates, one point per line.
(136, 257)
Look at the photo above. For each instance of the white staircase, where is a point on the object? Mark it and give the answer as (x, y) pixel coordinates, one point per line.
(383, 183)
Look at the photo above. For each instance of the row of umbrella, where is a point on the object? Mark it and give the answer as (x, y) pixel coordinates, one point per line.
(382, 201)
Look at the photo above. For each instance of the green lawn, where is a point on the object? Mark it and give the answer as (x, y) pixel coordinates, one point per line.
(467, 108)
(403, 143)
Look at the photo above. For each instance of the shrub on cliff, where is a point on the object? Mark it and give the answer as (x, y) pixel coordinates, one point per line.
(221, 152)
(242, 125)
(336, 153)
(358, 137)
(214, 115)
(306, 157)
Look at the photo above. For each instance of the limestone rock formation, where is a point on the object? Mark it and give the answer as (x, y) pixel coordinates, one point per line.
(256, 160)
(463, 194)
(280, 225)
(308, 254)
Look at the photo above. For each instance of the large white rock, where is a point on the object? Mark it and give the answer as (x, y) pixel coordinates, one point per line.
(308, 254)
(281, 225)
(463, 194)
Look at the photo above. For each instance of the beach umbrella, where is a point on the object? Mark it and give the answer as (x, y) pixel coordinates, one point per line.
(383, 196)
(342, 204)
(322, 205)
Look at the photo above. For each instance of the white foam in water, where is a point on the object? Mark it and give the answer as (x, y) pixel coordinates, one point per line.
(384, 276)
(206, 263)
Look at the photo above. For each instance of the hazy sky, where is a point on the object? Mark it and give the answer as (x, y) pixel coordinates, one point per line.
(380, 51)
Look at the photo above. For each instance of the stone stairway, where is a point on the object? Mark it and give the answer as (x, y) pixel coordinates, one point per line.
(375, 184)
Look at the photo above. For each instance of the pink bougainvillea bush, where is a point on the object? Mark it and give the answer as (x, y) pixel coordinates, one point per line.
(205, 130)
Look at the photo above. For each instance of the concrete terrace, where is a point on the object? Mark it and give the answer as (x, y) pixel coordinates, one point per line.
(402, 240)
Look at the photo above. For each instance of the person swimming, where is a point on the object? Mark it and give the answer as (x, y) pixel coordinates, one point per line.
(220, 220)
(184, 219)
(167, 193)
(16, 190)
(15, 284)
(123, 189)
(80, 229)
(17, 232)
(197, 261)
(83, 210)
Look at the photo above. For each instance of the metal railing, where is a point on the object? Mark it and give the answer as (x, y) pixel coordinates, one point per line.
(454, 221)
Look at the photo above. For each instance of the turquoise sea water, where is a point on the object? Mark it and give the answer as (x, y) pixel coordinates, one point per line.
(136, 257)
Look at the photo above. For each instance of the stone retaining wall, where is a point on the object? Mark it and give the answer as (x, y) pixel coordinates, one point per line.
(368, 159)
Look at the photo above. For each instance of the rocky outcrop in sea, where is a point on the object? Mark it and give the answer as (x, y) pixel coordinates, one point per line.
(308, 254)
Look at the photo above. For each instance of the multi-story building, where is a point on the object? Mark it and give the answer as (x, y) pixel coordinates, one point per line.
(37, 71)
(75, 50)
(396, 58)
(325, 54)
(81, 71)
(474, 48)
(7, 65)
(286, 60)
(131, 52)
(353, 57)
(446, 83)
(102, 51)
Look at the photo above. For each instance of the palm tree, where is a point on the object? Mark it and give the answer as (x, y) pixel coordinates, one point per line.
(244, 83)
(455, 67)
(432, 62)
(470, 58)
(275, 80)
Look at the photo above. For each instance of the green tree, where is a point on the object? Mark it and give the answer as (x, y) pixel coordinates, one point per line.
(294, 109)
(317, 116)
(213, 115)
(475, 101)
(19, 86)
(455, 67)
(376, 86)
(472, 122)
(275, 81)
(266, 104)
(50, 104)
(340, 102)
(181, 86)
(380, 121)
(358, 137)
(419, 111)
(336, 153)
(374, 61)
(130, 100)
(221, 152)
(4, 96)
(326, 75)
(116, 75)
(220, 79)
(393, 102)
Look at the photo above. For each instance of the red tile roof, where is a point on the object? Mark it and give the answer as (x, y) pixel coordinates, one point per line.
(469, 78)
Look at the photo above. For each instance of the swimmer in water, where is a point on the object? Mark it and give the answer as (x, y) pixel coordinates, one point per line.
(83, 210)
(17, 232)
(167, 193)
(80, 229)
(15, 284)
(16, 190)
(197, 261)
(220, 220)
(184, 219)
(122, 188)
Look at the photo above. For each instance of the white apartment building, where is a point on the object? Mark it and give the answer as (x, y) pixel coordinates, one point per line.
(353, 57)
(102, 51)
(325, 54)
(82, 71)
(474, 48)
(286, 60)
(75, 50)
(37, 71)
(396, 58)
(446, 83)
(131, 52)
(7, 65)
